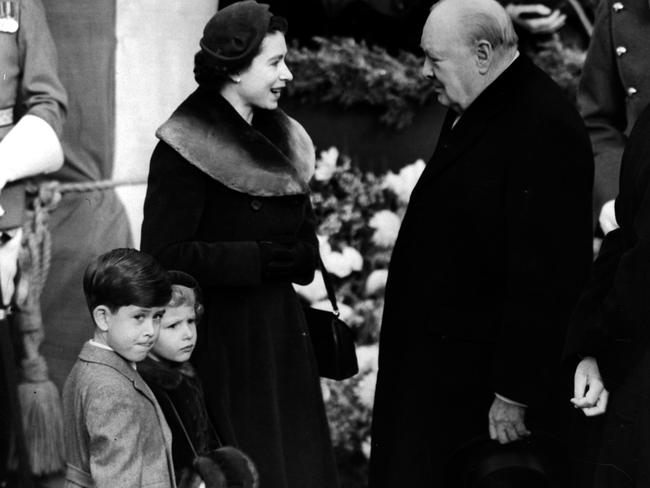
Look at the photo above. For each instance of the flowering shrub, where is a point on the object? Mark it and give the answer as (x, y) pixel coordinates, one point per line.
(349, 411)
(359, 215)
(350, 73)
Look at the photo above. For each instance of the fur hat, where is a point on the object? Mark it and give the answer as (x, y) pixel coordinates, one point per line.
(227, 467)
(233, 34)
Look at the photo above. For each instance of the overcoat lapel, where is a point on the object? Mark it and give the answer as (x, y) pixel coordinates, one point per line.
(456, 141)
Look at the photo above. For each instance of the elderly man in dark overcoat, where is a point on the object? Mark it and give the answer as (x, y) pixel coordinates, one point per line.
(492, 253)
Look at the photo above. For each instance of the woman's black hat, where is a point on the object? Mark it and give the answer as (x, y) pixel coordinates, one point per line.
(233, 35)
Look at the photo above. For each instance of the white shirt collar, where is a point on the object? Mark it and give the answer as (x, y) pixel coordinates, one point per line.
(108, 348)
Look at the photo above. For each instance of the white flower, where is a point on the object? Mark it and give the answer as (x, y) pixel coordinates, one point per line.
(402, 184)
(368, 357)
(345, 312)
(387, 225)
(342, 263)
(337, 264)
(365, 448)
(326, 164)
(376, 282)
(325, 391)
(354, 258)
(323, 244)
(366, 389)
(314, 291)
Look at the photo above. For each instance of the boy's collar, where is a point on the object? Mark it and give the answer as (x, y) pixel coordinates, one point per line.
(91, 353)
(101, 345)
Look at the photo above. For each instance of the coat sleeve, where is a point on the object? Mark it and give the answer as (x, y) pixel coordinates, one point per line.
(614, 309)
(172, 213)
(113, 433)
(601, 101)
(548, 256)
(41, 92)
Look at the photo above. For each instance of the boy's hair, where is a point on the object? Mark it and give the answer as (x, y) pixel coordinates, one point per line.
(185, 291)
(124, 277)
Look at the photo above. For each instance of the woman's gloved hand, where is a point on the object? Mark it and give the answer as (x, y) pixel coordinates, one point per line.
(281, 261)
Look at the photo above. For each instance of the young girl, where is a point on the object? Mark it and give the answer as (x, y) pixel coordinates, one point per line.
(199, 458)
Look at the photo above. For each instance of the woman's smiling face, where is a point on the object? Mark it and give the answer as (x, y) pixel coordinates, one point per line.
(261, 84)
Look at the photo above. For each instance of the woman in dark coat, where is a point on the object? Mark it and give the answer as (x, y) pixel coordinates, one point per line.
(610, 330)
(228, 202)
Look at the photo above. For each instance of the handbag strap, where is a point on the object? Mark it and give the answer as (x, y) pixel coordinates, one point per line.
(187, 436)
(328, 286)
(180, 422)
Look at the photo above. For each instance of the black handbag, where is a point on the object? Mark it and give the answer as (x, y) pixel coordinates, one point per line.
(332, 339)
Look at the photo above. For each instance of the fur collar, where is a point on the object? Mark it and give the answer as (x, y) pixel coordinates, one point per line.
(164, 374)
(273, 157)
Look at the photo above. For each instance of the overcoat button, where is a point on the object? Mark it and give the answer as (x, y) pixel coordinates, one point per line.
(256, 204)
(631, 91)
(620, 50)
(617, 6)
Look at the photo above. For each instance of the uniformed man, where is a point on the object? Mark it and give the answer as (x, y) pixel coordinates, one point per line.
(32, 112)
(613, 90)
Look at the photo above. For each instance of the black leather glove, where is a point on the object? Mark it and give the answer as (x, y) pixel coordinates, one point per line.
(283, 261)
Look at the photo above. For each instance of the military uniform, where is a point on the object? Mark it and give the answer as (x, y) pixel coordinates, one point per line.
(615, 86)
(29, 84)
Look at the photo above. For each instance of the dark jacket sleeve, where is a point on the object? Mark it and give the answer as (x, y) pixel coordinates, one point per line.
(602, 104)
(41, 92)
(611, 319)
(173, 206)
(548, 255)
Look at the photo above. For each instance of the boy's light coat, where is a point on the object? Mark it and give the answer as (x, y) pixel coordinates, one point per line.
(115, 432)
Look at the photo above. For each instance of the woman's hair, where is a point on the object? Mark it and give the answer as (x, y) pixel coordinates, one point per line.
(186, 291)
(211, 74)
(124, 277)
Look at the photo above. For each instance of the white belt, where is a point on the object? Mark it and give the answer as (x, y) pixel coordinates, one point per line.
(6, 116)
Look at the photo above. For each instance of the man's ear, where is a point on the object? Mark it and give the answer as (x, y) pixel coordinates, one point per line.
(484, 55)
(101, 316)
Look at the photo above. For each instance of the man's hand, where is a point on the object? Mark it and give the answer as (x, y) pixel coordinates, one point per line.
(536, 18)
(589, 393)
(506, 422)
(607, 217)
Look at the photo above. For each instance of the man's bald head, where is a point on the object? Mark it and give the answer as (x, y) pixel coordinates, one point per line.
(473, 21)
(468, 44)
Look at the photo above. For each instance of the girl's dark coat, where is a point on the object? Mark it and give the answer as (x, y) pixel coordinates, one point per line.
(205, 212)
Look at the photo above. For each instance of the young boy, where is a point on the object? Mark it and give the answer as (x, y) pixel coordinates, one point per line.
(198, 453)
(115, 432)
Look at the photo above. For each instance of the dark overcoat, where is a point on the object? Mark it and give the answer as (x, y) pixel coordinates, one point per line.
(492, 252)
(611, 322)
(217, 187)
(615, 86)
